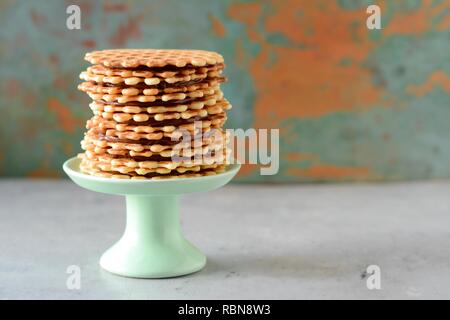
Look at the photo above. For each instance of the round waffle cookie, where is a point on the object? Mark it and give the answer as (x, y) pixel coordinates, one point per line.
(158, 114)
(102, 74)
(152, 96)
(210, 102)
(100, 70)
(154, 142)
(89, 169)
(133, 58)
(143, 89)
(143, 168)
(99, 123)
(156, 118)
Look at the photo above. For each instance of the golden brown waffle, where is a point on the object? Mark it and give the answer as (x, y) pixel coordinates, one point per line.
(199, 114)
(213, 121)
(156, 143)
(151, 78)
(99, 70)
(127, 166)
(144, 102)
(125, 151)
(92, 87)
(133, 58)
(211, 102)
(153, 96)
(202, 151)
(115, 175)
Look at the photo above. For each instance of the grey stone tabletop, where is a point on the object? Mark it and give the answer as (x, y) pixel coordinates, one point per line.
(262, 242)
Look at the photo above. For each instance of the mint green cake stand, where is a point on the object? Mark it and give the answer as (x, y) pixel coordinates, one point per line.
(152, 245)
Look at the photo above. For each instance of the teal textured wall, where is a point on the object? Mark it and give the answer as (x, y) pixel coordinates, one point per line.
(351, 103)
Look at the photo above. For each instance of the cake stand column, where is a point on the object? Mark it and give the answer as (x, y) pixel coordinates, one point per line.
(152, 245)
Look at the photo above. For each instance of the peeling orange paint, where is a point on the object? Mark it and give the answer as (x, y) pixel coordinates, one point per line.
(437, 79)
(30, 126)
(68, 148)
(109, 7)
(218, 27)
(418, 21)
(126, 31)
(66, 120)
(332, 172)
(247, 13)
(309, 81)
(12, 88)
(45, 169)
(407, 23)
(44, 173)
(37, 18)
(247, 169)
(240, 54)
(89, 43)
(60, 81)
(444, 24)
(300, 156)
(53, 59)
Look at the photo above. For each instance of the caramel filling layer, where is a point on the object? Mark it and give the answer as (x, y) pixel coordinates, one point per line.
(163, 141)
(218, 66)
(157, 157)
(163, 84)
(151, 104)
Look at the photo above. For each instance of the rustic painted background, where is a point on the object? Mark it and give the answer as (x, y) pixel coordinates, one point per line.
(351, 103)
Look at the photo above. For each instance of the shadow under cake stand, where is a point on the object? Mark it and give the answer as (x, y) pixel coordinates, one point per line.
(152, 245)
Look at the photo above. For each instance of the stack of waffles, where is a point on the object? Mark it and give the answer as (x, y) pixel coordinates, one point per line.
(157, 114)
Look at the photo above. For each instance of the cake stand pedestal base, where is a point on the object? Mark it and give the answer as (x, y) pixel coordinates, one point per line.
(152, 245)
